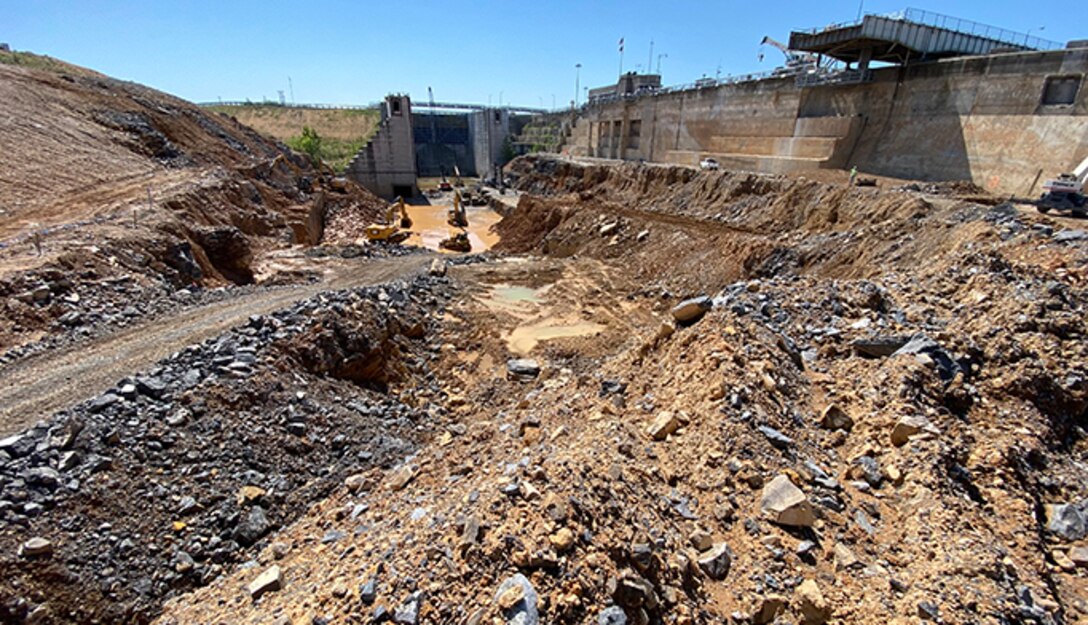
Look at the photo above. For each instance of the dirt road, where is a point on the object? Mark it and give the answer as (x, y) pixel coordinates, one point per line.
(35, 388)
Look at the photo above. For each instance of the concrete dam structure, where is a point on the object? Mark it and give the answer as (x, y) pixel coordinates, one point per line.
(408, 144)
(1005, 120)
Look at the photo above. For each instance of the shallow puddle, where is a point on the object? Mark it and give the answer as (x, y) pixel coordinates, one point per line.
(523, 339)
(429, 226)
(514, 294)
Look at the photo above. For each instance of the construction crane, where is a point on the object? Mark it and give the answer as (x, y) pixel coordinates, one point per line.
(1066, 192)
(796, 62)
(434, 130)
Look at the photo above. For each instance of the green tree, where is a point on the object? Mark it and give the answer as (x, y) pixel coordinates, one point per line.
(308, 142)
(508, 153)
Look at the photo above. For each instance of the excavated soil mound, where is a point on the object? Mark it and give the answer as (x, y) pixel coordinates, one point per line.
(102, 179)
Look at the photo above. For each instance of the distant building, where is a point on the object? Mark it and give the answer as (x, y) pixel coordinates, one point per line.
(630, 84)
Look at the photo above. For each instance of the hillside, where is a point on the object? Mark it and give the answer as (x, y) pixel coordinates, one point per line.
(343, 131)
(115, 178)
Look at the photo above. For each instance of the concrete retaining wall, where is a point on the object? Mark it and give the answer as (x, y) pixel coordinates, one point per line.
(387, 164)
(976, 118)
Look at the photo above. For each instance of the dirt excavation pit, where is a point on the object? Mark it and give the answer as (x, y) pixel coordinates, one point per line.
(666, 396)
(429, 226)
(537, 317)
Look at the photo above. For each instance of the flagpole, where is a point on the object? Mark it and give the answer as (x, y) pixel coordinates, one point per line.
(621, 56)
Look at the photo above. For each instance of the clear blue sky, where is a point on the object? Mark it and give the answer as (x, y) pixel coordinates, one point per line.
(354, 52)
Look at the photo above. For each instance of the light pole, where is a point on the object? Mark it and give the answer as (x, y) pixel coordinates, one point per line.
(577, 82)
(659, 62)
(1028, 34)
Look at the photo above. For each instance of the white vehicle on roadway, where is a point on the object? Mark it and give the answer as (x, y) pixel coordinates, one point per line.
(708, 163)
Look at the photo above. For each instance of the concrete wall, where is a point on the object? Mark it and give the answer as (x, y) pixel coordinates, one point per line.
(450, 145)
(975, 118)
(489, 128)
(387, 164)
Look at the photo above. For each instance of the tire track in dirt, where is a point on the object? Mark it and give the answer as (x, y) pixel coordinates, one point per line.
(35, 388)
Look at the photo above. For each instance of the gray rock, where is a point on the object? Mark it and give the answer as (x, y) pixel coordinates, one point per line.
(268, 581)
(187, 505)
(368, 592)
(1067, 521)
(716, 562)
(407, 613)
(154, 388)
(929, 611)
(100, 403)
(10, 443)
(612, 615)
(522, 369)
(523, 611)
(68, 460)
(252, 527)
(691, 310)
(1066, 236)
(834, 418)
(777, 439)
(42, 476)
(879, 346)
(920, 344)
(37, 547)
(870, 471)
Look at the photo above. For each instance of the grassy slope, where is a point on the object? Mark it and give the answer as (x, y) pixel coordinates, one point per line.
(42, 62)
(343, 131)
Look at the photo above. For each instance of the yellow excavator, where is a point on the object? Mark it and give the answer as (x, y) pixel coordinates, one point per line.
(395, 228)
(457, 241)
(456, 216)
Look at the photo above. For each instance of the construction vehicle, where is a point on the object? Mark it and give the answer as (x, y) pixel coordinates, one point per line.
(457, 216)
(457, 182)
(456, 242)
(398, 208)
(445, 184)
(796, 62)
(1066, 192)
(394, 230)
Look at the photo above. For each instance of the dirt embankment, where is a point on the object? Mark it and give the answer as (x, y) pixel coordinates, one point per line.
(890, 433)
(732, 225)
(103, 180)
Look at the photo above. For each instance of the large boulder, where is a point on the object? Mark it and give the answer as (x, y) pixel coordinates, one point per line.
(785, 504)
(691, 310)
(1067, 521)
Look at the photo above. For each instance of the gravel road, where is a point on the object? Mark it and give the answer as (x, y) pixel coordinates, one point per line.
(35, 388)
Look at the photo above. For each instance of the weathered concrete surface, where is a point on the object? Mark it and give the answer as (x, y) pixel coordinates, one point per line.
(976, 118)
(386, 165)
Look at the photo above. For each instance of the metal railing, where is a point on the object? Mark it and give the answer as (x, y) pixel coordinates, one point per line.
(702, 83)
(375, 105)
(841, 77)
(354, 107)
(948, 22)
